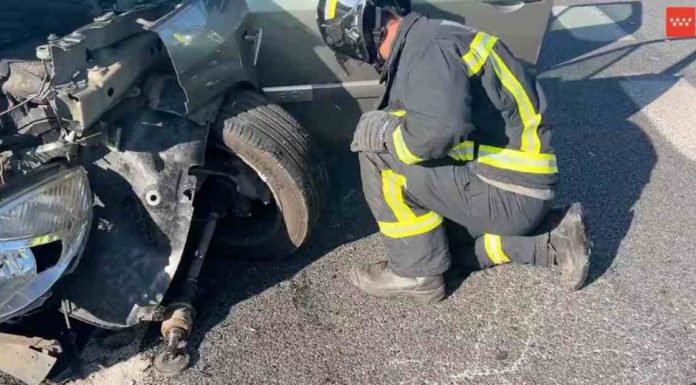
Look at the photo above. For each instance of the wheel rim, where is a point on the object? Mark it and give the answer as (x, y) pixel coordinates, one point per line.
(235, 229)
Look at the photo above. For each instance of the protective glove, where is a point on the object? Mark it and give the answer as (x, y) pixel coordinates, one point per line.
(373, 130)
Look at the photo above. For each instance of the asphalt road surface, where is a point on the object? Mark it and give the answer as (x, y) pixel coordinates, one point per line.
(623, 105)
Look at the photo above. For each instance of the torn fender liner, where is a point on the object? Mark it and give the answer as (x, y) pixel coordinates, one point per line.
(142, 214)
(211, 47)
(27, 359)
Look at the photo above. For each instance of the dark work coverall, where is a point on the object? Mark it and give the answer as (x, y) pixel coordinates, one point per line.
(471, 147)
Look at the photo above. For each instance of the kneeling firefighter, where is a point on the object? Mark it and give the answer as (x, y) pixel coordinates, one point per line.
(459, 133)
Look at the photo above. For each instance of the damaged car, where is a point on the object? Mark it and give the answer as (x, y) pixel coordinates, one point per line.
(127, 148)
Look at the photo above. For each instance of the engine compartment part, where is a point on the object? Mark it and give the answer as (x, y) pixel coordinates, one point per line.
(97, 64)
(22, 78)
(37, 121)
(112, 75)
(178, 323)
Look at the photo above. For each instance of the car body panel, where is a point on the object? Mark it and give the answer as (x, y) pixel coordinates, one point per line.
(211, 46)
(142, 215)
(293, 52)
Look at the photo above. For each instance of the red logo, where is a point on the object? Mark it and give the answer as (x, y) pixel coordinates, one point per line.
(680, 21)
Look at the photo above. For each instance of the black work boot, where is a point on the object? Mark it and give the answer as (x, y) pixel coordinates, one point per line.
(378, 280)
(570, 247)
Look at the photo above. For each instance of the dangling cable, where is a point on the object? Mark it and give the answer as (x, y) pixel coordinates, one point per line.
(29, 98)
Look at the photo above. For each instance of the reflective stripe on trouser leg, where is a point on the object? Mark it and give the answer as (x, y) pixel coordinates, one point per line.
(414, 236)
(494, 250)
(407, 223)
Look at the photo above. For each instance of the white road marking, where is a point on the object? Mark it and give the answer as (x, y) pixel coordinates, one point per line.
(670, 108)
(588, 23)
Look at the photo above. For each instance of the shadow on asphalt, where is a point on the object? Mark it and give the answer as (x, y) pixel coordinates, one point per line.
(627, 16)
(605, 158)
(226, 282)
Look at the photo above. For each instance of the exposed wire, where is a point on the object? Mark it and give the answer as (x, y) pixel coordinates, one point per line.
(29, 98)
(40, 93)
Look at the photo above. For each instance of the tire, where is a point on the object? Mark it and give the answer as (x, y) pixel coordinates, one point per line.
(281, 152)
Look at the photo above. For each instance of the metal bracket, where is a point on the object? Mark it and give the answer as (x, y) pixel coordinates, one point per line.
(257, 39)
(28, 359)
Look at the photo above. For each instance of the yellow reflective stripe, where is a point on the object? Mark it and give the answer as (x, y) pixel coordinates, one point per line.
(505, 158)
(462, 151)
(517, 160)
(402, 152)
(530, 118)
(331, 9)
(419, 225)
(494, 249)
(43, 239)
(399, 113)
(407, 223)
(392, 184)
(479, 49)
(470, 57)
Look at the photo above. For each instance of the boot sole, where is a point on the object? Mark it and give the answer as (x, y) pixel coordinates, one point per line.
(580, 256)
(429, 296)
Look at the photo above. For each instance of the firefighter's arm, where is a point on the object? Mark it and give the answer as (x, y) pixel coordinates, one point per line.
(437, 106)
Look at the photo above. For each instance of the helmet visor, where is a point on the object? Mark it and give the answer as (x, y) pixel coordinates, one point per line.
(342, 28)
(334, 9)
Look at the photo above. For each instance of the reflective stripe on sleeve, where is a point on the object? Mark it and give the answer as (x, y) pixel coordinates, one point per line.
(462, 151)
(494, 249)
(517, 160)
(402, 152)
(479, 50)
(530, 118)
(407, 222)
(399, 113)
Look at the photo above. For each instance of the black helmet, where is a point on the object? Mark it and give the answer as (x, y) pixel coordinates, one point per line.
(355, 28)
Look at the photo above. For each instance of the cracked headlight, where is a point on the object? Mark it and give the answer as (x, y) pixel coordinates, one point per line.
(43, 229)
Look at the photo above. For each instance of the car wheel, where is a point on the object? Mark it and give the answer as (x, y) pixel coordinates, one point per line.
(280, 181)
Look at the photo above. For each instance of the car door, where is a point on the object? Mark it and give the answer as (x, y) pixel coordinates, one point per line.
(299, 71)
